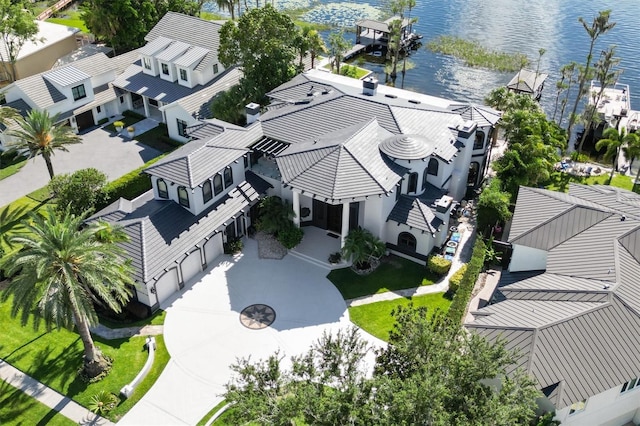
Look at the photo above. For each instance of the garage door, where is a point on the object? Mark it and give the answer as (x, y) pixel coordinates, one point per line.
(213, 249)
(167, 285)
(85, 120)
(191, 265)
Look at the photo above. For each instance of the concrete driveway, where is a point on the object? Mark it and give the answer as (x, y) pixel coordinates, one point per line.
(99, 149)
(204, 334)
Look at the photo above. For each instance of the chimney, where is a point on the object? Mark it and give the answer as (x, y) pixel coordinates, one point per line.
(369, 86)
(253, 112)
(443, 208)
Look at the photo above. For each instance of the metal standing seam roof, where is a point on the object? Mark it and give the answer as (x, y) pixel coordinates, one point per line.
(161, 232)
(191, 56)
(340, 165)
(171, 52)
(155, 46)
(66, 76)
(198, 103)
(587, 302)
(191, 30)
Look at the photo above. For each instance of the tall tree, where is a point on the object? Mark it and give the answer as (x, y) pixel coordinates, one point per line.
(598, 27)
(337, 48)
(17, 27)
(541, 53)
(612, 142)
(262, 44)
(308, 42)
(228, 5)
(631, 152)
(605, 74)
(60, 272)
(40, 135)
(563, 85)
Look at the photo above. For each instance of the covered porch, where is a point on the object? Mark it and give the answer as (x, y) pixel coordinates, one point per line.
(316, 246)
(147, 106)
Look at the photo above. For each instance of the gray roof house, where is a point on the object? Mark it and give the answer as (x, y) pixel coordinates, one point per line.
(570, 302)
(345, 153)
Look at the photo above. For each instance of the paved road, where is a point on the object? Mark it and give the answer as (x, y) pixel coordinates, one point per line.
(108, 153)
(204, 334)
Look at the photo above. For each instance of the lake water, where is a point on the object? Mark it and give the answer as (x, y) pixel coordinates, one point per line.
(513, 26)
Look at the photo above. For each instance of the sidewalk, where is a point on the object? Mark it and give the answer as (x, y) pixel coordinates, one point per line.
(49, 397)
(467, 240)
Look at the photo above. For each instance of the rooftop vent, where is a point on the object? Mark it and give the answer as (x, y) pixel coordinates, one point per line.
(389, 95)
(414, 101)
(623, 218)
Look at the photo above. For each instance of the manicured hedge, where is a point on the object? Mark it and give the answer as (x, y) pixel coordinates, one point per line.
(456, 279)
(439, 265)
(463, 295)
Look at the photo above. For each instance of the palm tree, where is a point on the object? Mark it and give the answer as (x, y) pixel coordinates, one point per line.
(337, 48)
(360, 245)
(631, 152)
(8, 113)
(61, 271)
(39, 135)
(612, 142)
(600, 26)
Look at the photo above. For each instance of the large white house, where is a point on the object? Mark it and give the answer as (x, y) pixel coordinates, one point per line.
(172, 79)
(570, 301)
(344, 152)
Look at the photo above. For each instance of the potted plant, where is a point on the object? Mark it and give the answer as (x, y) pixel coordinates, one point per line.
(118, 125)
(131, 131)
(335, 258)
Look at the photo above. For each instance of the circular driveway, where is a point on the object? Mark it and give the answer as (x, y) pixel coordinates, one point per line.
(204, 333)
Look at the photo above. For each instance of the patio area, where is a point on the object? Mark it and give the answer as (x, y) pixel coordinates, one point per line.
(316, 246)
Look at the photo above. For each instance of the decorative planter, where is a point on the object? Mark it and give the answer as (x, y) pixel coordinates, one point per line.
(131, 131)
(118, 125)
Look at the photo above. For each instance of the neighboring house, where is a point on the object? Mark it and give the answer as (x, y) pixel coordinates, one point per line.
(53, 41)
(570, 301)
(171, 80)
(344, 152)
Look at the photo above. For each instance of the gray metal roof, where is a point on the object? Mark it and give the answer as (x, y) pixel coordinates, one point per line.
(480, 114)
(174, 50)
(191, 30)
(66, 76)
(340, 165)
(407, 147)
(121, 62)
(191, 56)
(133, 79)
(584, 310)
(93, 65)
(198, 103)
(527, 81)
(199, 160)
(161, 232)
(155, 46)
(416, 212)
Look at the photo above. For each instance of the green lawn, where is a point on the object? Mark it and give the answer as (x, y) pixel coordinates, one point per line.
(211, 412)
(396, 273)
(71, 19)
(158, 138)
(376, 318)
(10, 164)
(17, 408)
(54, 358)
(560, 181)
(156, 319)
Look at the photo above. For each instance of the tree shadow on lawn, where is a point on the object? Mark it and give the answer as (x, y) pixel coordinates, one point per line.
(14, 403)
(47, 367)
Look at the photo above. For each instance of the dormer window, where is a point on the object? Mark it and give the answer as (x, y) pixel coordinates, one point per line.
(165, 69)
(207, 194)
(183, 196)
(183, 75)
(217, 184)
(228, 177)
(215, 69)
(146, 62)
(78, 92)
(163, 192)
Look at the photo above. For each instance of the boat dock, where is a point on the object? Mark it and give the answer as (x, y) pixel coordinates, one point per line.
(374, 35)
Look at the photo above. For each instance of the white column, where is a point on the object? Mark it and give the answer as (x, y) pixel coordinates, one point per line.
(145, 102)
(345, 223)
(296, 208)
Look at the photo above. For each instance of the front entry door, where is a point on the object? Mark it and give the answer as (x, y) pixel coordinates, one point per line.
(334, 218)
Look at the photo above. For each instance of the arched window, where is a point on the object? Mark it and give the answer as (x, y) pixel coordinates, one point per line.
(228, 177)
(217, 184)
(472, 178)
(183, 196)
(432, 168)
(424, 179)
(413, 183)
(207, 194)
(407, 241)
(163, 192)
(479, 142)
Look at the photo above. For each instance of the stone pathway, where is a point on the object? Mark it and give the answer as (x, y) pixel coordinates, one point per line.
(463, 255)
(121, 333)
(49, 397)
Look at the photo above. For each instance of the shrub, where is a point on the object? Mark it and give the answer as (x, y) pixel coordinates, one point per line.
(79, 192)
(103, 402)
(118, 124)
(456, 279)
(460, 301)
(439, 265)
(579, 157)
(493, 206)
(349, 71)
(335, 257)
(133, 114)
(103, 121)
(233, 246)
(290, 236)
(360, 245)
(274, 215)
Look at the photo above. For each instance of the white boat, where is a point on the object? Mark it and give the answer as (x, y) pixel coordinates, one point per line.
(613, 103)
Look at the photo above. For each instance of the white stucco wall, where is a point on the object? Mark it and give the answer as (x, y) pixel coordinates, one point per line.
(527, 259)
(609, 408)
(174, 112)
(424, 242)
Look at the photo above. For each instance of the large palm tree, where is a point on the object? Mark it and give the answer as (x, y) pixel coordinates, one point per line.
(40, 135)
(8, 113)
(613, 141)
(61, 271)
